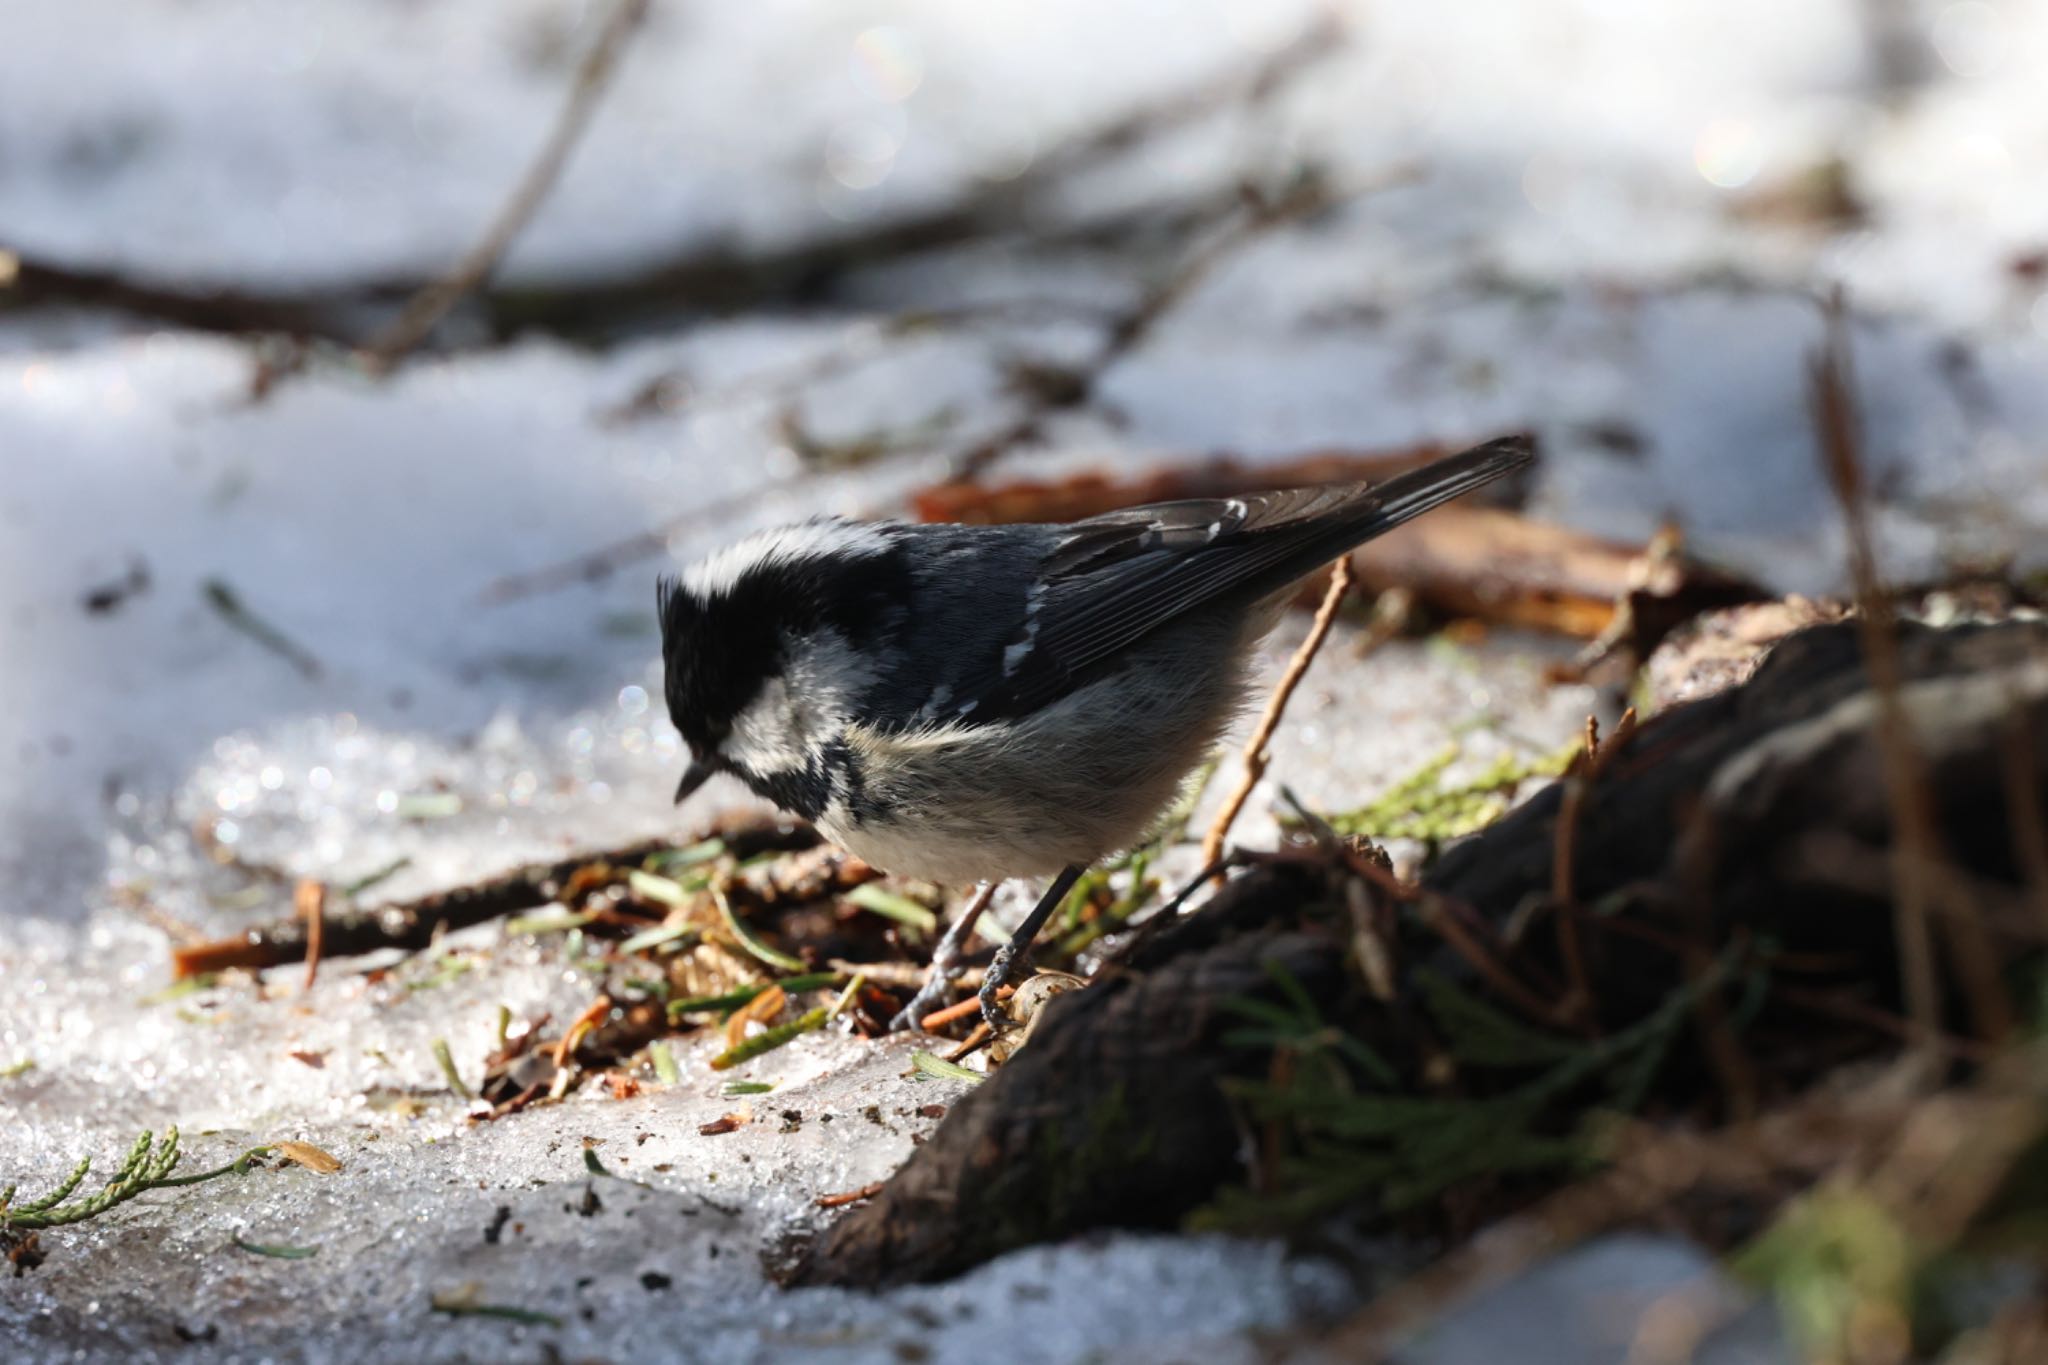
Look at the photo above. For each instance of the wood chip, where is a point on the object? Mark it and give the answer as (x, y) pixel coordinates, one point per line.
(307, 1155)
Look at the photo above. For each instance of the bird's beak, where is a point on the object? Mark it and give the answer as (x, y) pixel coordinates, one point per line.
(693, 778)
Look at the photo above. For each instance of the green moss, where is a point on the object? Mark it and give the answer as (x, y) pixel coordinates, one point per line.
(1424, 806)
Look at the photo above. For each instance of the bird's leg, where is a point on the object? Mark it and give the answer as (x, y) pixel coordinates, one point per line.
(945, 960)
(1020, 944)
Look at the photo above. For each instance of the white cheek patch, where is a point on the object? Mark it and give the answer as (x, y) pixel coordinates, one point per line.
(766, 737)
(800, 709)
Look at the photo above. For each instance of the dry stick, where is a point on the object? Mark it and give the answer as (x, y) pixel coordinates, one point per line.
(309, 898)
(2023, 814)
(1578, 781)
(1916, 849)
(432, 303)
(1255, 756)
(405, 924)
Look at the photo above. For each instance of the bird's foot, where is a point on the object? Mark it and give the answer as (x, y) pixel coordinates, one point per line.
(992, 1012)
(938, 984)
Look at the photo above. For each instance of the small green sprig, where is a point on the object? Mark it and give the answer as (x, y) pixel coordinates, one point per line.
(147, 1166)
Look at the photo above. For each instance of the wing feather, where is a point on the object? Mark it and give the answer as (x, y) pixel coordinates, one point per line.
(1114, 579)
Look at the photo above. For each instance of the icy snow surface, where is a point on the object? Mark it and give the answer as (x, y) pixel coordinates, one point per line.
(1580, 250)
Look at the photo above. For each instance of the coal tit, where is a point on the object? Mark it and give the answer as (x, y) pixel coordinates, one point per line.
(974, 703)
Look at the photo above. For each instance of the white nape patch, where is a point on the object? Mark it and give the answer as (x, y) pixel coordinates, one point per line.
(825, 538)
(800, 709)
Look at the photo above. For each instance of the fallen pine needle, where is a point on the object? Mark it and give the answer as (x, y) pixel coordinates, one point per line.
(309, 898)
(933, 1065)
(733, 999)
(463, 1303)
(754, 946)
(282, 1253)
(779, 1036)
(1255, 756)
(834, 1201)
(905, 911)
(454, 1077)
(783, 1034)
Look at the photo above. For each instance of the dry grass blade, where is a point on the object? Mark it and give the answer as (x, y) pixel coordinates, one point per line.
(432, 303)
(1255, 756)
(1916, 846)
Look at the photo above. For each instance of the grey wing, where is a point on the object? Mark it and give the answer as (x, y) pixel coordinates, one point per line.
(1113, 579)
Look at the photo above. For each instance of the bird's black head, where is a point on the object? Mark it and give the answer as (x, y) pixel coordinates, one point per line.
(733, 625)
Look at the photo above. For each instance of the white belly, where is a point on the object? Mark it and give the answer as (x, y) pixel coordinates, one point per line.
(1063, 787)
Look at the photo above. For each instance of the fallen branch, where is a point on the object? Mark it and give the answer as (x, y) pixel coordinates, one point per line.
(415, 923)
(432, 303)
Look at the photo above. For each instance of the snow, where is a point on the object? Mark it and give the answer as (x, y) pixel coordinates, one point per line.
(1558, 223)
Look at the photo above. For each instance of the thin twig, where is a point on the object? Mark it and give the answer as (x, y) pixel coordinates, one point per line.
(228, 603)
(1578, 784)
(1916, 842)
(938, 1020)
(1255, 756)
(432, 303)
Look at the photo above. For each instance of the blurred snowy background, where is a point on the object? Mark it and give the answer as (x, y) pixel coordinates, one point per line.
(811, 256)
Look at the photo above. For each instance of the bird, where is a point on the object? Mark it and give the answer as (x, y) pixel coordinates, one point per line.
(971, 704)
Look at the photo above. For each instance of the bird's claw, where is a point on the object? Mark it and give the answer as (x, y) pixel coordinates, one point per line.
(928, 996)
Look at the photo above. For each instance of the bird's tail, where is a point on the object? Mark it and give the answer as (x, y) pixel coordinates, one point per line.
(1366, 510)
(1387, 504)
